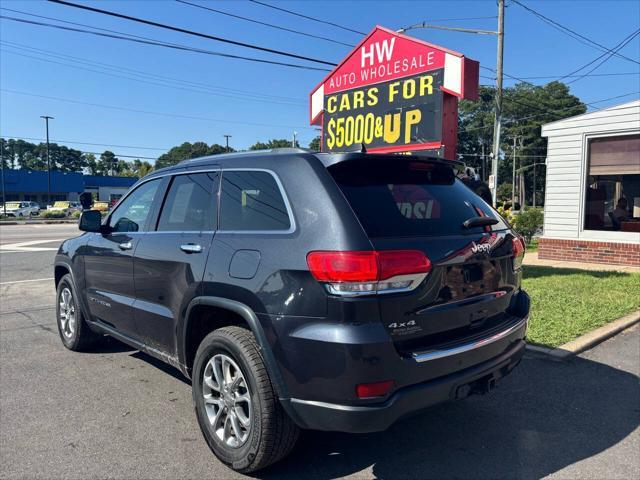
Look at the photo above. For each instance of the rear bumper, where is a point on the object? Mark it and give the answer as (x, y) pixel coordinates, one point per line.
(406, 401)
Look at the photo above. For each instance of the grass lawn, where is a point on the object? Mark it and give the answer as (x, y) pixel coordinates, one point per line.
(566, 302)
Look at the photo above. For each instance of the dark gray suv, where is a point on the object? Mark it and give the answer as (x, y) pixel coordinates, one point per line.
(297, 290)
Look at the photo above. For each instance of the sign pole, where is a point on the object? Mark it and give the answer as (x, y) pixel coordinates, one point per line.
(498, 112)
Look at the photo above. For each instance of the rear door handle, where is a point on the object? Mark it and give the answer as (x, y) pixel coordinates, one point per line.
(126, 246)
(191, 248)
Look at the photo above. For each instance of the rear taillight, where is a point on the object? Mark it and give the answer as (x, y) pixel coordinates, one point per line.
(369, 272)
(518, 252)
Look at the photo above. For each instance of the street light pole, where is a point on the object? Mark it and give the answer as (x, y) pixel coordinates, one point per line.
(498, 112)
(295, 134)
(46, 121)
(227, 137)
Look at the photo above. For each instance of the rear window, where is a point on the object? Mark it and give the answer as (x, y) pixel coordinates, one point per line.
(398, 198)
(252, 201)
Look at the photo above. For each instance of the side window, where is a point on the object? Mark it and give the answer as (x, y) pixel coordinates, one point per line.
(131, 215)
(252, 201)
(190, 203)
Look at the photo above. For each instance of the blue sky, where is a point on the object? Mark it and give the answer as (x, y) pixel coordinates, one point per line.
(279, 103)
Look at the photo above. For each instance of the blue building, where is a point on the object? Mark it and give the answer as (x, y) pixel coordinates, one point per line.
(32, 185)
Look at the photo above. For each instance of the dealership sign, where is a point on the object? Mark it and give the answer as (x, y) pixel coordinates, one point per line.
(394, 93)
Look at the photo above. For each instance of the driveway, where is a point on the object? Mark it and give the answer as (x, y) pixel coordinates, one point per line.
(121, 414)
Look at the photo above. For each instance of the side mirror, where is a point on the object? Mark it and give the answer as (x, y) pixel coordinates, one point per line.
(90, 221)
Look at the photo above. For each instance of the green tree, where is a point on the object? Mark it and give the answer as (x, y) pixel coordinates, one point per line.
(273, 143)
(108, 163)
(188, 150)
(526, 108)
(91, 164)
(139, 168)
(504, 192)
(314, 144)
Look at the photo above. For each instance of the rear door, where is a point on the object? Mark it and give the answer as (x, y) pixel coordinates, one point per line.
(170, 260)
(415, 205)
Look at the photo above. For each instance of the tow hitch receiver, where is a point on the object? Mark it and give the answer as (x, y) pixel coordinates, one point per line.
(477, 387)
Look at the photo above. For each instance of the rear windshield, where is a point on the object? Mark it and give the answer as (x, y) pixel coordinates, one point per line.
(398, 198)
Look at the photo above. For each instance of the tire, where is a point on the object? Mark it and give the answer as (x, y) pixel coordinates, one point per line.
(72, 327)
(270, 434)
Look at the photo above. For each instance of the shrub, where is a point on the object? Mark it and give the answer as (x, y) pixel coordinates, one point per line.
(528, 222)
(506, 214)
(52, 214)
(76, 214)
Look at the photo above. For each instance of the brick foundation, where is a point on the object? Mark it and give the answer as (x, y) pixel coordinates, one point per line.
(611, 253)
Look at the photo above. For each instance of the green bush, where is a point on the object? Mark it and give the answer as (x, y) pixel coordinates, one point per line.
(52, 214)
(76, 214)
(528, 222)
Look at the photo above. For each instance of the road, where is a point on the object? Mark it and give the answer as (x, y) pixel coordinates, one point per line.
(120, 414)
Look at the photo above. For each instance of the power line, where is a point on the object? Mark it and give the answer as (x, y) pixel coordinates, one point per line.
(81, 60)
(215, 10)
(163, 44)
(592, 75)
(606, 56)
(84, 143)
(555, 77)
(572, 33)
(307, 17)
(148, 112)
(191, 32)
(248, 96)
(554, 111)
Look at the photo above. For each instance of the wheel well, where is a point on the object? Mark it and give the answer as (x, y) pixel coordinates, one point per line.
(59, 272)
(203, 320)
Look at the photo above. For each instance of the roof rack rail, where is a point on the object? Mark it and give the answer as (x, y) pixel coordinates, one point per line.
(289, 150)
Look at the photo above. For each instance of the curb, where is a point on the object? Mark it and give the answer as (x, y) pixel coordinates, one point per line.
(589, 339)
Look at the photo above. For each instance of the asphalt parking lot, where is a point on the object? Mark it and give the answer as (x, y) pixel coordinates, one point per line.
(117, 413)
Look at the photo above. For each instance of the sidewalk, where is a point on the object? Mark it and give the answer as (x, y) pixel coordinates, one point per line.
(532, 259)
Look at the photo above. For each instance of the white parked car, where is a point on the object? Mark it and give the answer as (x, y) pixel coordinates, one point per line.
(21, 209)
(65, 206)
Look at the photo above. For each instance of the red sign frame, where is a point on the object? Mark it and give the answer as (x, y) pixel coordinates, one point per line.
(384, 55)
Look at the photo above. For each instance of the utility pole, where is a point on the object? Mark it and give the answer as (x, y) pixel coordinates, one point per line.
(293, 144)
(46, 121)
(498, 111)
(534, 185)
(4, 198)
(484, 165)
(227, 137)
(513, 178)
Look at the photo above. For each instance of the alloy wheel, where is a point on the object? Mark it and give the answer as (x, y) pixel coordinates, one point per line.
(227, 400)
(67, 313)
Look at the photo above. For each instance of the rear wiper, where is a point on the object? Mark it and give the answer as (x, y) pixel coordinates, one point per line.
(479, 222)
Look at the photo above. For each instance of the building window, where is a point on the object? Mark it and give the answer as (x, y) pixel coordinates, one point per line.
(613, 183)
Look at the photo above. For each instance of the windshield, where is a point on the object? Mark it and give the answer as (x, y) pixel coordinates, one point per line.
(399, 198)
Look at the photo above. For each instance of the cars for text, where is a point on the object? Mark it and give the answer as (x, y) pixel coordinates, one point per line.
(337, 292)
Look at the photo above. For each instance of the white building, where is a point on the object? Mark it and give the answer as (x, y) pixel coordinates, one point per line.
(592, 198)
